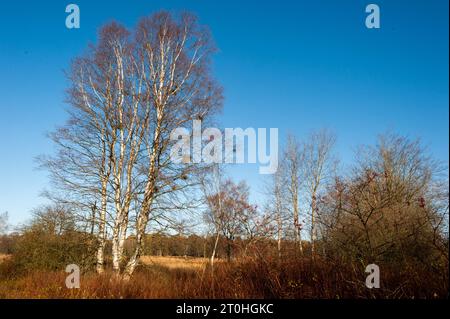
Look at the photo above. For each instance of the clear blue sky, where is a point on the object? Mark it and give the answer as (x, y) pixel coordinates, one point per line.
(295, 65)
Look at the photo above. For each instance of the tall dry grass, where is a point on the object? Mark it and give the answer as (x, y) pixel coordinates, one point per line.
(4, 257)
(173, 262)
(166, 278)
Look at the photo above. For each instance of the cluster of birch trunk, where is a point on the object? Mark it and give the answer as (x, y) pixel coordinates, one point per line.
(127, 93)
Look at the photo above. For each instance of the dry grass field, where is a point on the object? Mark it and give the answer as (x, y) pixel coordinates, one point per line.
(4, 257)
(178, 277)
(175, 262)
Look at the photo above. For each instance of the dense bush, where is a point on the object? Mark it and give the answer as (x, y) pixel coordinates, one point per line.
(39, 250)
(51, 242)
(7, 243)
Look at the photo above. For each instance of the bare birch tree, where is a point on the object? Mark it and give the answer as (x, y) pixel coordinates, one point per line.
(179, 89)
(81, 168)
(317, 168)
(210, 181)
(277, 205)
(128, 94)
(211, 184)
(292, 175)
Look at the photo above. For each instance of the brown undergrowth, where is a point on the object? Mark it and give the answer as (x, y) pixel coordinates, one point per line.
(254, 278)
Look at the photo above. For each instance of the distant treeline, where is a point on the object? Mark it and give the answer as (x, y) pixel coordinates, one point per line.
(202, 246)
(45, 250)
